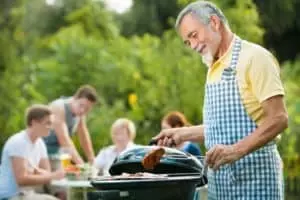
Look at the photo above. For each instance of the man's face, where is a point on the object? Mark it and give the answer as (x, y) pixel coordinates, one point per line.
(82, 106)
(43, 126)
(204, 39)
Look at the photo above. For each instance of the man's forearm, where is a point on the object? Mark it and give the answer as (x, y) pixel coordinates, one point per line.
(262, 135)
(86, 144)
(34, 179)
(41, 171)
(194, 133)
(88, 149)
(75, 156)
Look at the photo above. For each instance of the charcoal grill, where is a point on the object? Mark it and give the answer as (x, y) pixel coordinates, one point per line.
(176, 177)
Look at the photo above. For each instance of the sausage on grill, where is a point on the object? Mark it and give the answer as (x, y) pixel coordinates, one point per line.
(153, 158)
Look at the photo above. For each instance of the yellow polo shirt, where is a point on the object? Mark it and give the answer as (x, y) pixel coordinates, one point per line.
(258, 76)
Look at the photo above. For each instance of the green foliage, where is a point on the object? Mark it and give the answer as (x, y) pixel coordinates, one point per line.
(149, 16)
(162, 15)
(289, 142)
(282, 25)
(140, 78)
(95, 20)
(283, 13)
(238, 14)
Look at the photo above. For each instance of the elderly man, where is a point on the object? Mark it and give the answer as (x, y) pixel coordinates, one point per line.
(69, 117)
(244, 108)
(24, 159)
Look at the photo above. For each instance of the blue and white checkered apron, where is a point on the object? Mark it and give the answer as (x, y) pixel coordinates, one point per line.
(257, 176)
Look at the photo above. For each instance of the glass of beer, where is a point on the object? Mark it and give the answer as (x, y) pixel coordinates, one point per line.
(65, 157)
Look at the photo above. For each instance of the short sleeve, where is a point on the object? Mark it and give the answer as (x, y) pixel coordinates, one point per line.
(43, 148)
(14, 149)
(264, 75)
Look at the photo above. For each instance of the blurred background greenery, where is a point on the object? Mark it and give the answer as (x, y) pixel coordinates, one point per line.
(135, 60)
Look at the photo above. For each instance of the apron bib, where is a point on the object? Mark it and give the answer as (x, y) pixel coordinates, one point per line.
(257, 176)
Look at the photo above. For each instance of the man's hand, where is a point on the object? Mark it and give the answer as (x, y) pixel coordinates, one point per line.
(169, 137)
(85, 140)
(222, 154)
(91, 160)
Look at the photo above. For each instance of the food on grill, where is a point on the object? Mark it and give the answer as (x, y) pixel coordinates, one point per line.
(153, 158)
(138, 175)
(143, 174)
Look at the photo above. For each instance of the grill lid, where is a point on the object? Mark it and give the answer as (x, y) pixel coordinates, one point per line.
(173, 162)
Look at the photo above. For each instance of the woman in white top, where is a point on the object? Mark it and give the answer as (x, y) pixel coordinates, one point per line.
(123, 133)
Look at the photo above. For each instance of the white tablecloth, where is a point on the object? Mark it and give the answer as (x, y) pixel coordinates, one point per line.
(70, 185)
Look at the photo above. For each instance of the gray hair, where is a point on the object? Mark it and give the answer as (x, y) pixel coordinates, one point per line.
(128, 124)
(203, 10)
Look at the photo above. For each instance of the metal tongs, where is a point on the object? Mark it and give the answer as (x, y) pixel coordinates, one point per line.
(205, 167)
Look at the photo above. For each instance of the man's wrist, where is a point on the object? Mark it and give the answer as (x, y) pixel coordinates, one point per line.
(183, 135)
(91, 159)
(240, 148)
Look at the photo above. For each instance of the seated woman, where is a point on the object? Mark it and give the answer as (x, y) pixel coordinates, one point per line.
(177, 119)
(122, 134)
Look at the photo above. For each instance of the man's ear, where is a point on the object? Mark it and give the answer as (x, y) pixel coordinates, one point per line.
(215, 23)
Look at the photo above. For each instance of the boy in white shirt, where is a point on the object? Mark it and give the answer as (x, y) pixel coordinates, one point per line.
(24, 159)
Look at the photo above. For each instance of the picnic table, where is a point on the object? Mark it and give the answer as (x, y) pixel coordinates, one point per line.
(71, 185)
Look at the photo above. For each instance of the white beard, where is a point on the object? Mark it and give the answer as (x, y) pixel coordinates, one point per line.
(207, 59)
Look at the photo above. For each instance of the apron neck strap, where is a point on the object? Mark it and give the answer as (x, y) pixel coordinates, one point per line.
(235, 52)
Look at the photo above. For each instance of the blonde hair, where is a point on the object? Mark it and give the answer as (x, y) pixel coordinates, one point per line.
(124, 122)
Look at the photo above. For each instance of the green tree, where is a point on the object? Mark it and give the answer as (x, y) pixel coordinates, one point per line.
(150, 16)
(155, 17)
(282, 25)
(22, 34)
(289, 143)
(123, 70)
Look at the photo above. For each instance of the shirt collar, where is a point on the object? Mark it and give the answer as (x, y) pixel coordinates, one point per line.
(225, 58)
(129, 145)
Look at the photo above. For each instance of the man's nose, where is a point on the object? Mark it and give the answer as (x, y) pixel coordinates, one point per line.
(194, 44)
